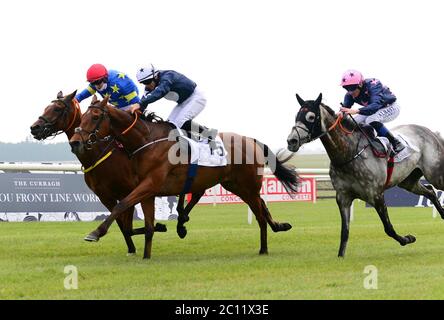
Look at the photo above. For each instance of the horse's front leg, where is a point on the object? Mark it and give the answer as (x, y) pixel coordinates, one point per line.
(148, 211)
(146, 188)
(381, 208)
(125, 223)
(344, 201)
(184, 212)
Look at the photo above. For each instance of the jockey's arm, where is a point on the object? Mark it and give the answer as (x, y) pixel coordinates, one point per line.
(133, 107)
(376, 101)
(88, 92)
(159, 92)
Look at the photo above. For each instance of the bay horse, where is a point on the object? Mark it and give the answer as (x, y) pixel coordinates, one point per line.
(110, 185)
(154, 151)
(357, 174)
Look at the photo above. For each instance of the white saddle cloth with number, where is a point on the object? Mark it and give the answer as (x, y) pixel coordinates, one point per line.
(202, 154)
(405, 153)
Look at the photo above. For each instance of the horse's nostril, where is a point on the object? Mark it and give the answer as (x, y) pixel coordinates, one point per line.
(292, 141)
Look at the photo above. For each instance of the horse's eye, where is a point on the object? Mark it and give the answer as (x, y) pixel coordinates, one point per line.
(58, 109)
(95, 118)
(310, 117)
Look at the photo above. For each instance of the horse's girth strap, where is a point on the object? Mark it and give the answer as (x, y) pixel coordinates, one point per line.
(390, 167)
(191, 174)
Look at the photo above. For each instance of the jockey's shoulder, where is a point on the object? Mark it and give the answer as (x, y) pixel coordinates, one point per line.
(372, 82)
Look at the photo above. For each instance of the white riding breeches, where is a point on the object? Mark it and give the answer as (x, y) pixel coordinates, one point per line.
(188, 109)
(383, 115)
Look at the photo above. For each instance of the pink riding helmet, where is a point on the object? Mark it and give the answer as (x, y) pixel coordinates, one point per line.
(351, 77)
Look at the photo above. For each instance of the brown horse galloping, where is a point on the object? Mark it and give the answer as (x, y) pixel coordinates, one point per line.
(110, 185)
(161, 175)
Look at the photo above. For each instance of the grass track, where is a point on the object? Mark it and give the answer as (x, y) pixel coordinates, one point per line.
(219, 258)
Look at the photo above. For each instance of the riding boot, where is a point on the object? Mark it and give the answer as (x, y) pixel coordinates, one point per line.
(398, 146)
(198, 130)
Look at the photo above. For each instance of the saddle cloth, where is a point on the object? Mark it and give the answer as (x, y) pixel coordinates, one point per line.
(202, 154)
(408, 150)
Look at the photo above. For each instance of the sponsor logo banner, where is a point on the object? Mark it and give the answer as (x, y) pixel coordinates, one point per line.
(272, 191)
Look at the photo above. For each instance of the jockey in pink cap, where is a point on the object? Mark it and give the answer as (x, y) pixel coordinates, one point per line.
(379, 104)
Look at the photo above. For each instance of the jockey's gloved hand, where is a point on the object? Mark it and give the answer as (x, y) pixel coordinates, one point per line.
(146, 112)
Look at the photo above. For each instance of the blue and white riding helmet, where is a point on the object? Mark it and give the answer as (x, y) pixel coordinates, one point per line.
(146, 73)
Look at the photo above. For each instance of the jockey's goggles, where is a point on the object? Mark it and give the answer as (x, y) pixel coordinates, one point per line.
(351, 87)
(147, 81)
(97, 82)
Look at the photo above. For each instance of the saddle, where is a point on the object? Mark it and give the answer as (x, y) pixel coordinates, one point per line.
(377, 146)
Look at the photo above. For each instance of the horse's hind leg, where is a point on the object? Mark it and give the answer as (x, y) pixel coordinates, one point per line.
(344, 202)
(412, 184)
(381, 208)
(255, 204)
(275, 226)
(184, 212)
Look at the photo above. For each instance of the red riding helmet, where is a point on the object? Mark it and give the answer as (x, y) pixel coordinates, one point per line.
(95, 72)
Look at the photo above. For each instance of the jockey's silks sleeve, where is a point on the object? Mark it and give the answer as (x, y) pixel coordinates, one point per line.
(375, 100)
(373, 96)
(348, 101)
(172, 85)
(120, 88)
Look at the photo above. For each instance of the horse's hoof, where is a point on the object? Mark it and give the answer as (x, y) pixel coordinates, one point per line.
(282, 227)
(411, 238)
(285, 226)
(262, 252)
(182, 232)
(408, 239)
(160, 227)
(131, 254)
(91, 238)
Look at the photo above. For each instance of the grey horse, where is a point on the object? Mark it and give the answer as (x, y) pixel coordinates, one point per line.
(356, 173)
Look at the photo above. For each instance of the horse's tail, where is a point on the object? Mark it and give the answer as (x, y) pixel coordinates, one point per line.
(286, 174)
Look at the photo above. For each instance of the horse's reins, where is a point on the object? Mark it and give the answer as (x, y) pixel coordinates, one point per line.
(89, 142)
(48, 124)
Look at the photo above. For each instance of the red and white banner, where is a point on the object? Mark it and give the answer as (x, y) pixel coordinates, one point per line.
(272, 191)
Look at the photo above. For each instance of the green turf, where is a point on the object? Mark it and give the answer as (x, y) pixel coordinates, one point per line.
(310, 161)
(219, 258)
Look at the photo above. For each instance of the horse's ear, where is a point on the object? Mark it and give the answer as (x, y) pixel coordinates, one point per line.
(319, 99)
(104, 102)
(60, 95)
(94, 99)
(300, 100)
(71, 96)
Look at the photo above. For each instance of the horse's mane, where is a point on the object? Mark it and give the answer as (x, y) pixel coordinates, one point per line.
(152, 117)
(347, 122)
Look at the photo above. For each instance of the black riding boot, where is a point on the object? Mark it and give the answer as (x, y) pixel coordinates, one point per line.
(398, 146)
(196, 131)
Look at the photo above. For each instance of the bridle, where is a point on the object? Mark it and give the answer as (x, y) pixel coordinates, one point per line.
(314, 131)
(48, 126)
(92, 135)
